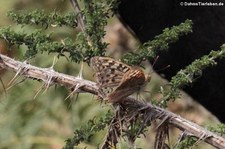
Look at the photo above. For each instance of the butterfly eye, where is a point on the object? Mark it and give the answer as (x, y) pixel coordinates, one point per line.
(148, 78)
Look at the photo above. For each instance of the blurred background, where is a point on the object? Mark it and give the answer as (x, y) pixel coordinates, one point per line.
(30, 119)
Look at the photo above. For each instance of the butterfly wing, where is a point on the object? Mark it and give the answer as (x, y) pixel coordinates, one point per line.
(109, 74)
(132, 81)
(101, 64)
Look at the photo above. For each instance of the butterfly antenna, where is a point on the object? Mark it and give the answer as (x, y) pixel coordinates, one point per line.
(164, 68)
(161, 69)
(155, 61)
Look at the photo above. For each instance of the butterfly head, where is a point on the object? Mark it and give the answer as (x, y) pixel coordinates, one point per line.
(148, 78)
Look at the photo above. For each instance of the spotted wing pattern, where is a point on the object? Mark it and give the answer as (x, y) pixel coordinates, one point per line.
(115, 79)
(109, 73)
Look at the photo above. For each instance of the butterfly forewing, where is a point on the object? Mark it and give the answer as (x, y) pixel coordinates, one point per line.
(109, 74)
(108, 68)
(115, 79)
(132, 81)
(102, 64)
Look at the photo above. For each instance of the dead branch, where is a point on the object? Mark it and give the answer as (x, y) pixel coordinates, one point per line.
(77, 10)
(43, 74)
(176, 121)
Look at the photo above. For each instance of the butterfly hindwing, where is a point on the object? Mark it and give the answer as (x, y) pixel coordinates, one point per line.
(115, 79)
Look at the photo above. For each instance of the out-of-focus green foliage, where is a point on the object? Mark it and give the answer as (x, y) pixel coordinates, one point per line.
(150, 49)
(190, 73)
(86, 132)
(38, 17)
(47, 120)
(219, 128)
(85, 44)
(47, 30)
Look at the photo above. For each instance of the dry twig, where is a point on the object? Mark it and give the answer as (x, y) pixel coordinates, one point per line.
(77, 10)
(151, 112)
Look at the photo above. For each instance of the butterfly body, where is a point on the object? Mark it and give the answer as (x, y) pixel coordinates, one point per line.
(115, 79)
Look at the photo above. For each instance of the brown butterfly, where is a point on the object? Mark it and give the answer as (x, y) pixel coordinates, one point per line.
(117, 80)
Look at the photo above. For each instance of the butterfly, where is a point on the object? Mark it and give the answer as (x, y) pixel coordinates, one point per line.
(117, 80)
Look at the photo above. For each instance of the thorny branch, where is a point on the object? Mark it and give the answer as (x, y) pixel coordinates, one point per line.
(43, 74)
(80, 16)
